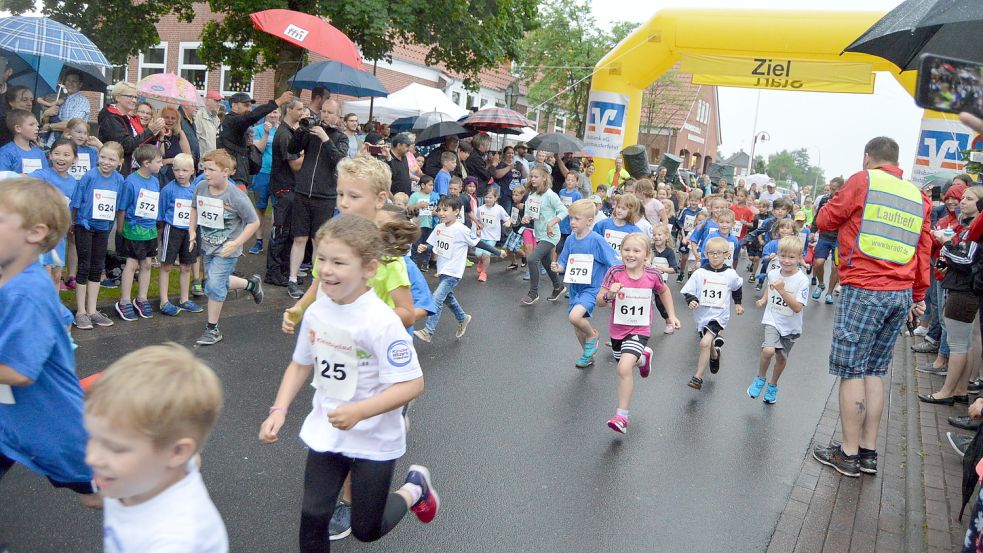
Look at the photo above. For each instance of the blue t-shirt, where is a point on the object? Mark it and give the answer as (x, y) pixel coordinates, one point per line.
(85, 160)
(604, 258)
(168, 195)
(66, 185)
(685, 213)
(43, 428)
(606, 225)
(130, 198)
(574, 195)
(258, 132)
(89, 187)
(730, 238)
(709, 229)
(442, 183)
(419, 289)
(13, 158)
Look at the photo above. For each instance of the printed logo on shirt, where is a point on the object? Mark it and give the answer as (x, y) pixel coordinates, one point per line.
(399, 353)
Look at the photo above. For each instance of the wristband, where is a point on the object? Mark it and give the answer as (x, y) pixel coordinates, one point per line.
(276, 409)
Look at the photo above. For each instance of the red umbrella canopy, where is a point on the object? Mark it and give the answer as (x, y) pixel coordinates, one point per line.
(492, 119)
(310, 33)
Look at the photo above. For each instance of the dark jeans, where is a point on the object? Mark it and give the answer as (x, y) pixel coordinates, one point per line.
(278, 254)
(375, 509)
(91, 246)
(423, 259)
(84, 488)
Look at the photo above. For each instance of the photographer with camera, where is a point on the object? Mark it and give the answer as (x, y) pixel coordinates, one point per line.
(235, 133)
(316, 190)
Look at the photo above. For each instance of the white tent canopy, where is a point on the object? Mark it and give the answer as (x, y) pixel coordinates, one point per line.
(413, 100)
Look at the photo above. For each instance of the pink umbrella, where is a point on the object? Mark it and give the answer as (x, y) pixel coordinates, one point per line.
(170, 89)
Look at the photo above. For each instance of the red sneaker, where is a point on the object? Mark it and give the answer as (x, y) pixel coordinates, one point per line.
(646, 367)
(428, 505)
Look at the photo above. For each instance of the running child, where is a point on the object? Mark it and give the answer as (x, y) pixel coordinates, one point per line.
(58, 174)
(515, 242)
(450, 241)
(544, 211)
(366, 371)
(175, 213)
(424, 202)
(40, 396)
(621, 223)
(769, 254)
(584, 261)
(93, 211)
(148, 417)
(709, 292)
(709, 229)
(470, 198)
(664, 260)
(568, 195)
(743, 214)
(725, 223)
(754, 247)
(802, 231)
(493, 217)
(138, 210)
(21, 155)
(629, 288)
(788, 293)
(685, 223)
(222, 218)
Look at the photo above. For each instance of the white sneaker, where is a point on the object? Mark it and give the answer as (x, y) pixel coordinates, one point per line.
(669, 329)
(921, 331)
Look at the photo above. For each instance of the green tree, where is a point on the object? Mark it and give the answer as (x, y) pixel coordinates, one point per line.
(760, 165)
(558, 58)
(787, 166)
(468, 36)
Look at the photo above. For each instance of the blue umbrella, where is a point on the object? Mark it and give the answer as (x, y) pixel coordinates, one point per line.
(42, 74)
(338, 78)
(40, 36)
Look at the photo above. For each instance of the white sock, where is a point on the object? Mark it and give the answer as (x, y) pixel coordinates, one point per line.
(623, 413)
(414, 490)
(293, 279)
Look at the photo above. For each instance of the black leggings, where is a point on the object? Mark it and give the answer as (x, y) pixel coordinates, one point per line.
(91, 246)
(661, 307)
(375, 509)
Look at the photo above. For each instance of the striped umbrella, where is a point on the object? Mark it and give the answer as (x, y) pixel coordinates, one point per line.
(40, 36)
(496, 120)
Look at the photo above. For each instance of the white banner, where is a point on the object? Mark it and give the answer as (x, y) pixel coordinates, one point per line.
(940, 142)
(607, 116)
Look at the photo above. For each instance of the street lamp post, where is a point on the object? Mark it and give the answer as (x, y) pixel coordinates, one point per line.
(762, 136)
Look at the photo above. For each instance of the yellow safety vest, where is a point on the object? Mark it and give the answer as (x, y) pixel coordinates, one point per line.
(892, 218)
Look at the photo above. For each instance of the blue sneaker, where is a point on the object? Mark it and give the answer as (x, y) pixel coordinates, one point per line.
(170, 309)
(584, 361)
(257, 248)
(126, 311)
(426, 508)
(754, 390)
(829, 299)
(816, 293)
(144, 309)
(190, 307)
(771, 394)
(525, 276)
(542, 270)
(590, 346)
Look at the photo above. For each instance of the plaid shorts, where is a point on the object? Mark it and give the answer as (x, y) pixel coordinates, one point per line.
(865, 328)
(514, 241)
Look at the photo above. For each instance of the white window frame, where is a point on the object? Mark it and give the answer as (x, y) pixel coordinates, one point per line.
(221, 84)
(533, 116)
(181, 66)
(160, 67)
(560, 123)
(460, 96)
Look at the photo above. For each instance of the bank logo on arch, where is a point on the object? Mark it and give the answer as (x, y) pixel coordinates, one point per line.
(607, 115)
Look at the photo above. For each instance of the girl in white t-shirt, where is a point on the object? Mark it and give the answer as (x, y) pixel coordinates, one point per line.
(366, 369)
(493, 217)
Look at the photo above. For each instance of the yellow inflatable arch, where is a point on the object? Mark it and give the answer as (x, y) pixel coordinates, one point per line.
(765, 49)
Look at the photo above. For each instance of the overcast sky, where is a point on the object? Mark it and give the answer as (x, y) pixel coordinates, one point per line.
(833, 127)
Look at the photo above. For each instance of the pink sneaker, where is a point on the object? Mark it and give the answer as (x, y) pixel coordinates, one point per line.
(482, 277)
(426, 508)
(646, 367)
(669, 329)
(618, 424)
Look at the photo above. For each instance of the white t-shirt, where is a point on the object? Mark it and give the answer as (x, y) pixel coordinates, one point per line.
(770, 196)
(181, 519)
(644, 226)
(384, 355)
(598, 217)
(492, 219)
(713, 291)
(450, 246)
(777, 313)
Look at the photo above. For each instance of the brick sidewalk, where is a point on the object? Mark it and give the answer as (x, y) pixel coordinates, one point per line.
(912, 503)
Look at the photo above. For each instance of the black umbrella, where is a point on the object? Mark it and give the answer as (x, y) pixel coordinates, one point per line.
(970, 459)
(946, 28)
(555, 142)
(436, 133)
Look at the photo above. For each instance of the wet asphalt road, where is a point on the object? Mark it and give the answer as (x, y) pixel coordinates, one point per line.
(515, 436)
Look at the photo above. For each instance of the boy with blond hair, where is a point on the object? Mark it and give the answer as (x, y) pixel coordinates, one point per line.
(40, 396)
(147, 417)
(175, 212)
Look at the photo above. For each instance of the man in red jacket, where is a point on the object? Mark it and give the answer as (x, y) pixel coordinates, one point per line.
(884, 243)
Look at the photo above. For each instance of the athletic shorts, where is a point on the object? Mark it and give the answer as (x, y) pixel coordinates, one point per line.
(309, 214)
(823, 249)
(261, 190)
(586, 297)
(713, 327)
(866, 325)
(775, 340)
(174, 244)
(529, 240)
(633, 344)
(139, 249)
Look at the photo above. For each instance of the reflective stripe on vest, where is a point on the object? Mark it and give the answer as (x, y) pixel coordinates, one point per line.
(892, 218)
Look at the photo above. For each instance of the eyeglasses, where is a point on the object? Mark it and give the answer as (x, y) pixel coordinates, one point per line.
(716, 254)
(128, 96)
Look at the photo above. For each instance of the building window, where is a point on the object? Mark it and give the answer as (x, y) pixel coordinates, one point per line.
(500, 103)
(153, 60)
(703, 112)
(190, 66)
(534, 117)
(484, 101)
(456, 97)
(559, 124)
(231, 85)
(472, 101)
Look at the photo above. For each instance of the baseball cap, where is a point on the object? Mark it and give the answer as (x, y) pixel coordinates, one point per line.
(214, 95)
(521, 145)
(403, 138)
(800, 216)
(241, 98)
(771, 184)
